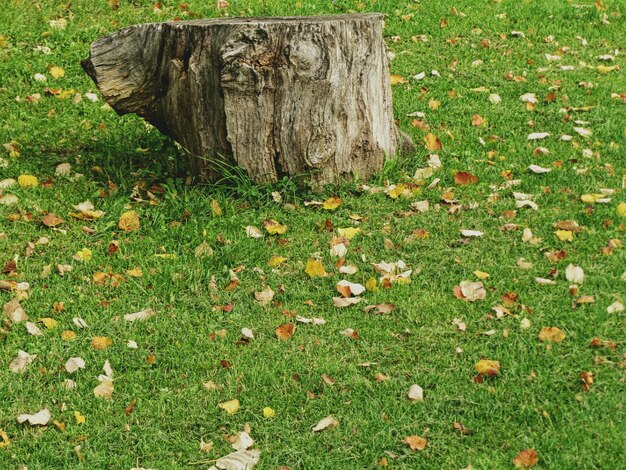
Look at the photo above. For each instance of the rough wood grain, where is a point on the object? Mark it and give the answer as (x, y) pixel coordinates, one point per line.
(276, 96)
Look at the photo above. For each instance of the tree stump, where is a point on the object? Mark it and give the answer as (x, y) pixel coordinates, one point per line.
(275, 96)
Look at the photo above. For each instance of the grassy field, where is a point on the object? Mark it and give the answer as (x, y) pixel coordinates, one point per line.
(192, 238)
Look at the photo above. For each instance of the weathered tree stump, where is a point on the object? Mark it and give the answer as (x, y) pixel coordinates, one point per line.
(275, 96)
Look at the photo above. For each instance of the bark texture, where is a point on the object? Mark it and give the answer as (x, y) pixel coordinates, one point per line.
(275, 96)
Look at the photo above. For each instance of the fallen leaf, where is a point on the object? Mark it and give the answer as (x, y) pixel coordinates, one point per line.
(416, 393)
(464, 178)
(315, 268)
(265, 296)
(21, 362)
(253, 232)
(4, 439)
(347, 288)
(73, 364)
(285, 332)
(56, 72)
(380, 309)
(564, 235)
(231, 406)
(526, 459)
(487, 367)
(415, 442)
(79, 418)
(101, 342)
(325, 423)
(551, 334)
(40, 418)
(129, 221)
(397, 79)
(345, 302)
(51, 220)
(273, 227)
(141, 315)
(239, 460)
(574, 274)
(349, 233)
(470, 291)
(432, 142)
(332, 203)
(27, 181)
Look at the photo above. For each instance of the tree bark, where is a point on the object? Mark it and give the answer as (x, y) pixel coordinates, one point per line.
(275, 96)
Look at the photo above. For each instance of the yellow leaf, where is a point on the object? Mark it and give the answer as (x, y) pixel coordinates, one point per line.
(432, 142)
(166, 255)
(332, 203)
(231, 407)
(551, 334)
(87, 215)
(216, 210)
(101, 342)
(68, 335)
(481, 275)
(621, 209)
(268, 412)
(80, 419)
(591, 198)
(276, 261)
(83, 255)
(273, 227)
(607, 68)
(4, 439)
(349, 233)
(50, 323)
(135, 272)
(129, 221)
(371, 284)
(564, 235)
(397, 79)
(434, 104)
(487, 367)
(56, 72)
(315, 268)
(27, 181)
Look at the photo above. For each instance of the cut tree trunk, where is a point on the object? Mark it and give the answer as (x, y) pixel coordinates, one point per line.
(275, 96)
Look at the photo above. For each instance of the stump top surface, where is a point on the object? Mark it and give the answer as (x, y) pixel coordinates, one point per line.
(278, 19)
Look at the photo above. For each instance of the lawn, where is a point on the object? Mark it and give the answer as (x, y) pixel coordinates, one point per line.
(542, 288)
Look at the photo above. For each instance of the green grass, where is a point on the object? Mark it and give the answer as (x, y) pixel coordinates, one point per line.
(535, 402)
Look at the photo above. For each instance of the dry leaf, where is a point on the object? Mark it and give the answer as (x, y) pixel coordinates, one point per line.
(21, 362)
(51, 220)
(415, 442)
(265, 296)
(285, 332)
(40, 418)
(551, 334)
(253, 232)
(325, 423)
(129, 221)
(347, 288)
(27, 181)
(470, 291)
(432, 142)
(332, 203)
(345, 302)
(526, 459)
(240, 460)
(464, 178)
(101, 342)
(380, 309)
(416, 393)
(140, 315)
(231, 406)
(73, 364)
(574, 274)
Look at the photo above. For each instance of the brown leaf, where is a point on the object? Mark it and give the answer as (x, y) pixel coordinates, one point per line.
(101, 342)
(464, 178)
(51, 220)
(415, 442)
(526, 459)
(477, 120)
(487, 367)
(285, 332)
(129, 409)
(380, 309)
